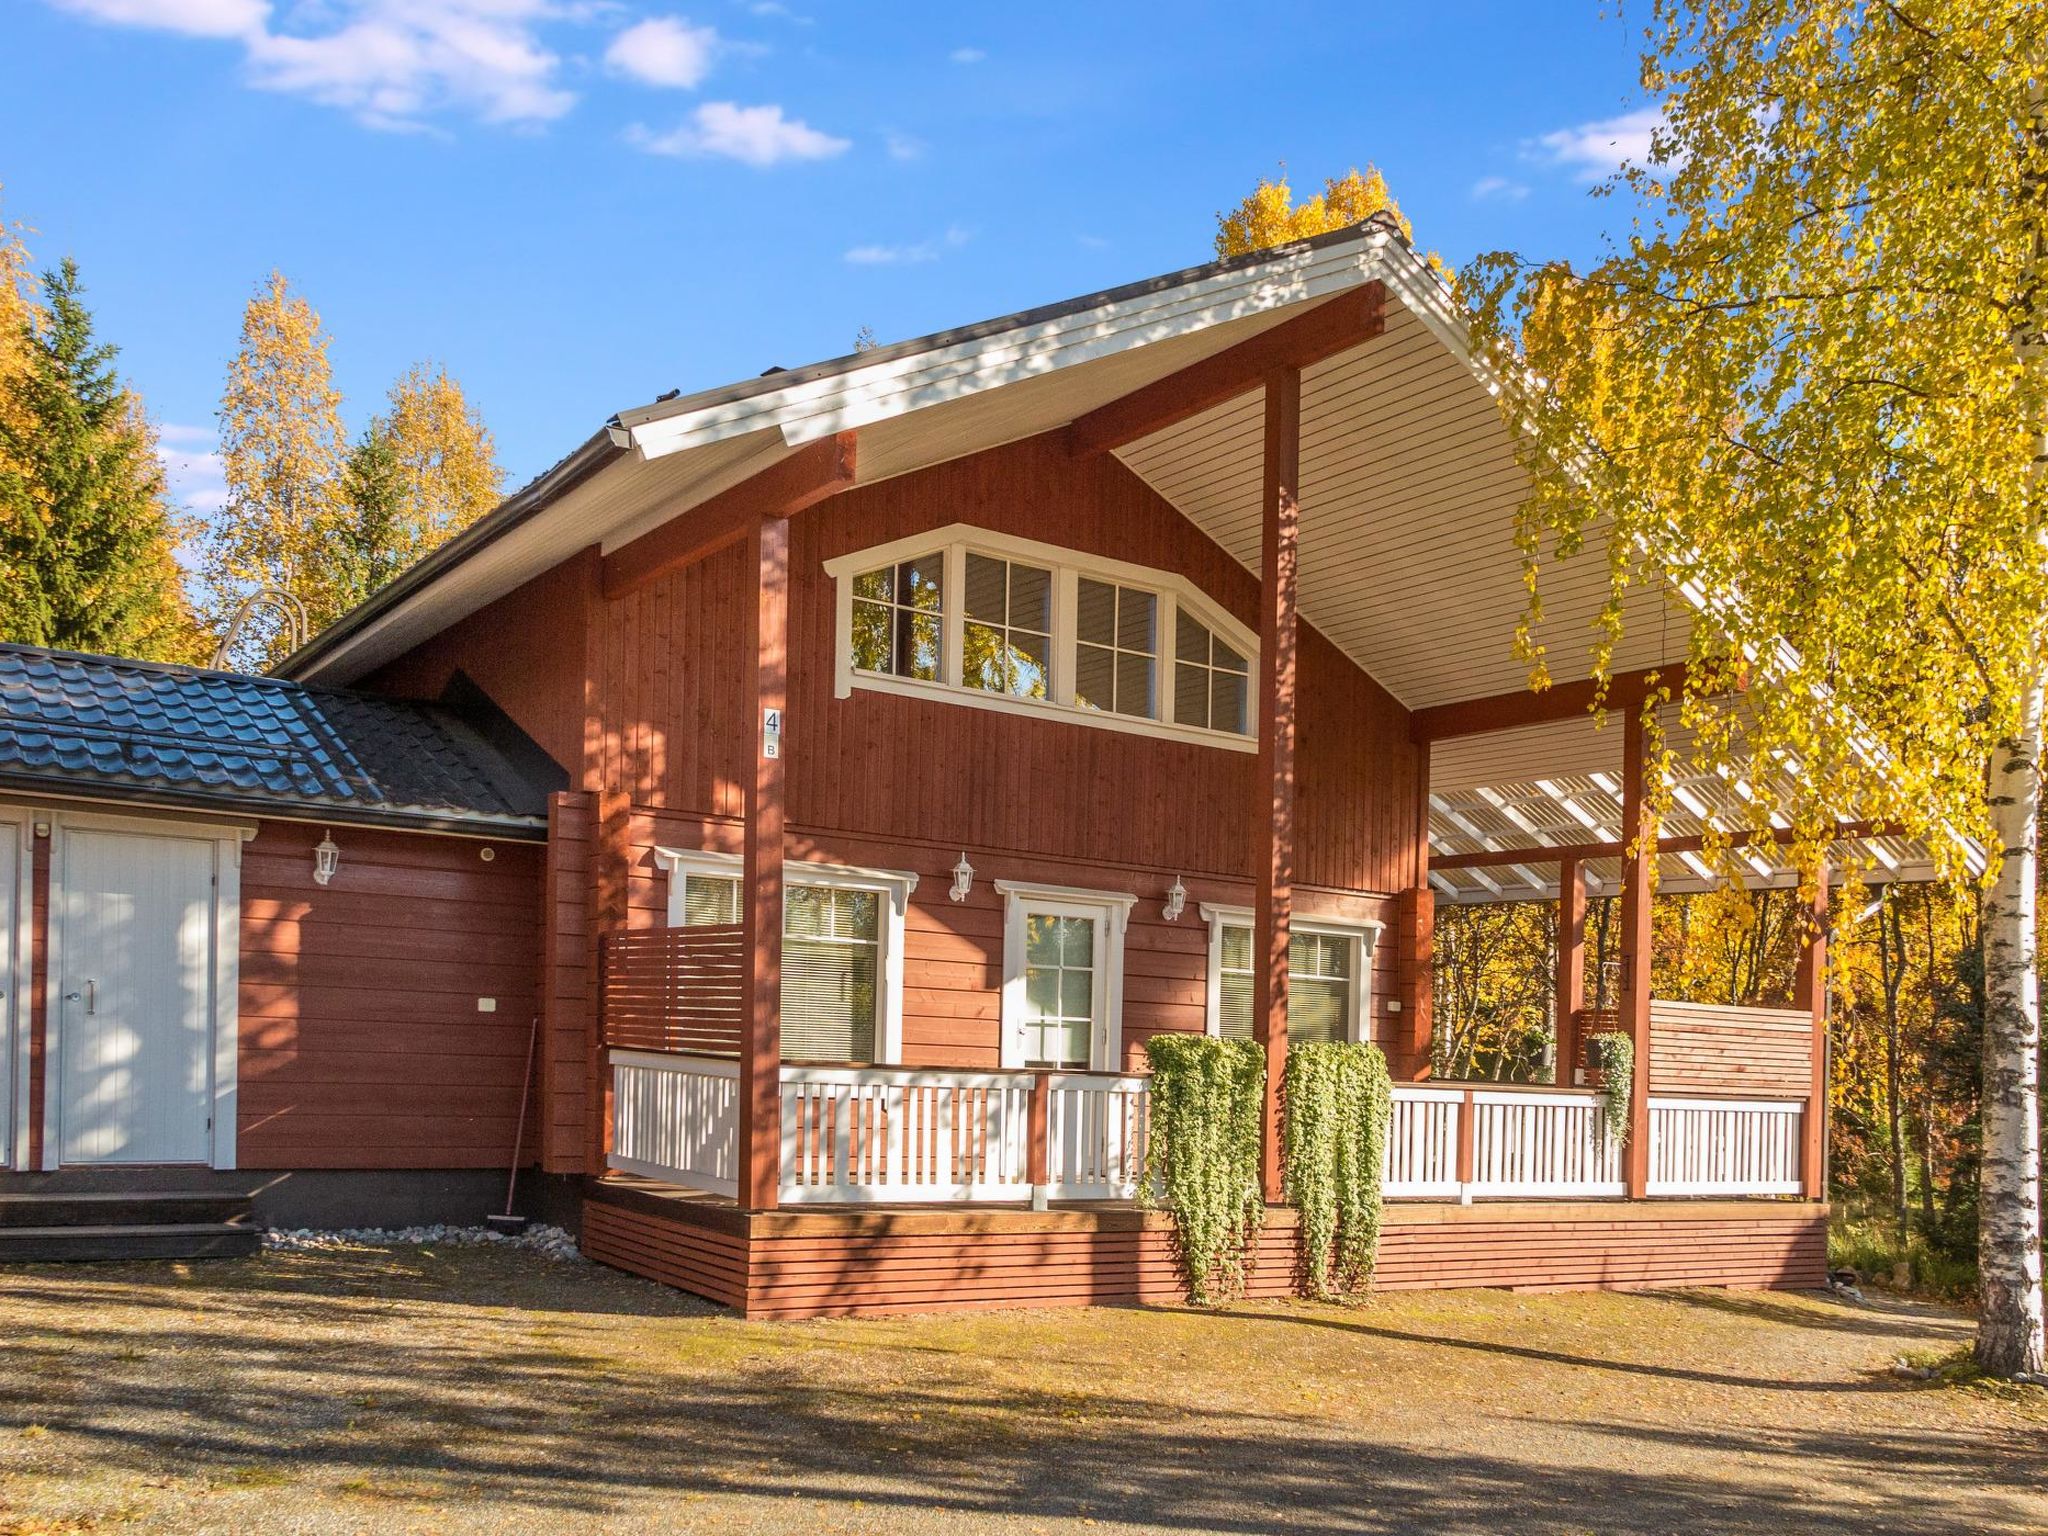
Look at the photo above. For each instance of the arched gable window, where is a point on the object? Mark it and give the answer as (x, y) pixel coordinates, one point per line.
(997, 622)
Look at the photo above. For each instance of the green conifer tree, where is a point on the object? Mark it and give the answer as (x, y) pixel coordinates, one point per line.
(84, 529)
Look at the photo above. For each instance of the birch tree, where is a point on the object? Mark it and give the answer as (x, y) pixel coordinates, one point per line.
(281, 447)
(1811, 386)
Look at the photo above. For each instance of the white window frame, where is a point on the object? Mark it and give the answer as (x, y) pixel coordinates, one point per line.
(892, 885)
(1112, 910)
(954, 543)
(1364, 934)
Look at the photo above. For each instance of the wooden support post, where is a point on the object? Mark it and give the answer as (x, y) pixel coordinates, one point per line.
(766, 687)
(611, 874)
(1040, 1152)
(1639, 828)
(1468, 1144)
(1273, 794)
(1810, 993)
(1571, 970)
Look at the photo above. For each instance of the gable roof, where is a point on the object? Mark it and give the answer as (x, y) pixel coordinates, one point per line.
(919, 402)
(100, 727)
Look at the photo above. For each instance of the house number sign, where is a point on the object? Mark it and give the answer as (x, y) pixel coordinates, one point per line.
(771, 733)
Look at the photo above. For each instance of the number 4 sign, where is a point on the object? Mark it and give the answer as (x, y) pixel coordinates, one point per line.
(771, 733)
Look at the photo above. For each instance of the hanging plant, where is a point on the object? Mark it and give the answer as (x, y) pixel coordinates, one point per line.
(1338, 1101)
(1615, 1054)
(1202, 1161)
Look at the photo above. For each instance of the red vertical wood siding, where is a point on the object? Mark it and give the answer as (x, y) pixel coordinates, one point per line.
(568, 1011)
(666, 725)
(526, 651)
(361, 1042)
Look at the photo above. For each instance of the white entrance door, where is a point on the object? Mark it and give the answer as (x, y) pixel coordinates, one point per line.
(135, 951)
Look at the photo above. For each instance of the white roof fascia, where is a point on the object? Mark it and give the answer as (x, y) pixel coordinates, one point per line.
(817, 408)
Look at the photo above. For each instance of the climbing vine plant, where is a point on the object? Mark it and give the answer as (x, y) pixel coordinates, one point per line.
(1338, 1099)
(1202, 1161)
(1617, 1058)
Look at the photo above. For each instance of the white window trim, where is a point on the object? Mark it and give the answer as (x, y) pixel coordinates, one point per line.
(954, 543)
(893, 885)
(1022, 897)
(227, 840)
(1364, 932)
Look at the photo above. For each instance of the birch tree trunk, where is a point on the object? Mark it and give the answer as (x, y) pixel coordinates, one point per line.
(2009, 1334)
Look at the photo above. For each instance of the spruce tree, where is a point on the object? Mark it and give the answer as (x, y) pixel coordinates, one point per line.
(84, 532)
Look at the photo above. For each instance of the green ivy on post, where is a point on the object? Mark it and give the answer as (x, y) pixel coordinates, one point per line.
(1338, 1099)
(1202, 1161)
(1615, 1054)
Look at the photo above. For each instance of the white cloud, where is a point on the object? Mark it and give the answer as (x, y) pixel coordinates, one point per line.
(776, 10)
(1498, 189)
(968, 55)
(1596, 150)
(194, 18)
(758, 136)
(909, 255)
(1091, 242)
(664, 50)
(194, 474)
(390, 62)
(904, 146)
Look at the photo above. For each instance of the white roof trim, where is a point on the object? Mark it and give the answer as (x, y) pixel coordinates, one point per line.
(816, 408)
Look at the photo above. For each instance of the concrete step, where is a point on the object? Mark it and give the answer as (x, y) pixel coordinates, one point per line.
(155, 1240)
(126, 1208)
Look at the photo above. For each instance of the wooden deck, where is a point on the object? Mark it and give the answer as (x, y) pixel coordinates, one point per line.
(879, 1259)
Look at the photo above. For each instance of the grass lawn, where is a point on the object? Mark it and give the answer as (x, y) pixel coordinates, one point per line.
(471, 1390)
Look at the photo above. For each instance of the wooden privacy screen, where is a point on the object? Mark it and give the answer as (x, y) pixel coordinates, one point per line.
(1704, 1048)
(675, 989)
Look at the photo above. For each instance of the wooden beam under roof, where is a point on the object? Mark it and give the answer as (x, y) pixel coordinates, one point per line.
(785, 488)
(1316, 335)
(1557, 853)
(1560, 701)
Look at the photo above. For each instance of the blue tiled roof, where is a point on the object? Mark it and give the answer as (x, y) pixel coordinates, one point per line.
(100, 726)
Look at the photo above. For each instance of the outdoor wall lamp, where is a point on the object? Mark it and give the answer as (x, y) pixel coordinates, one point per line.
(326, 858)
(963, 878)
(1176, 901)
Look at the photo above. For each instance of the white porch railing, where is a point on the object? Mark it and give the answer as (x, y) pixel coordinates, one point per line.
(888, 1134)
(677, 1118)
(1725, 1146)
(876, 1133)
(1096, 1130)
(1523, 1144)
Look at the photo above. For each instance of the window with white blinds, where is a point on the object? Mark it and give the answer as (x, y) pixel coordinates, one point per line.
(831, 974)
(1326, 988)
(842, 935)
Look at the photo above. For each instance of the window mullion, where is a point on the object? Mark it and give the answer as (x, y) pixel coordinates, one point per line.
(1066, 584)
(953, 626)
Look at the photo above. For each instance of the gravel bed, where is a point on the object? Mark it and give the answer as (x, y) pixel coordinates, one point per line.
(549, 1242)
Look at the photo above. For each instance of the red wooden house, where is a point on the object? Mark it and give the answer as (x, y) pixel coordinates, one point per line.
(855, 765)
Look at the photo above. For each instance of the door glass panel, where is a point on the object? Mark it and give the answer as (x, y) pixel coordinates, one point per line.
(1059, 990)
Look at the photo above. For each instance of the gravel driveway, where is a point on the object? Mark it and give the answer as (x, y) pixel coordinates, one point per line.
(478, 1390)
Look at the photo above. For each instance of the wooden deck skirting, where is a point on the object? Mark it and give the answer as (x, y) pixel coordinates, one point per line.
(816, 1263)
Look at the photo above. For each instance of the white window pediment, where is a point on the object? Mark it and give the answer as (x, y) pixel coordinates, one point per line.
(997, 622)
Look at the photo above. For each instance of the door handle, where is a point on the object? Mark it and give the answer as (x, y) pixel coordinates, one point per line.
(91, 995)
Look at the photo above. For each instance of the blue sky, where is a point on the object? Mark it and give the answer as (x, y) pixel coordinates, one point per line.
(576, 205)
